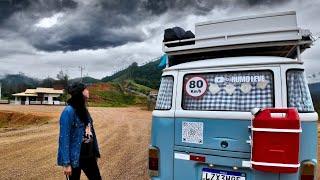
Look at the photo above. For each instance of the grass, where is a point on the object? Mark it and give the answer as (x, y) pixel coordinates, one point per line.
(137, 87)
(114, 96)
(112, 99)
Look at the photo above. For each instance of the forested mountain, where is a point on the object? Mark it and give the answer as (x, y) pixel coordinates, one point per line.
(148, 75)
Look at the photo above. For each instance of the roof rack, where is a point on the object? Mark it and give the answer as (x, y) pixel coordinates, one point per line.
(263, 35)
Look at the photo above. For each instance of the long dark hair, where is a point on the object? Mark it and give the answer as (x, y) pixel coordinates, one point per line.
(78, 102)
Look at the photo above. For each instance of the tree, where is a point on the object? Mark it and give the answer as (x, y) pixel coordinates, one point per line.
(63, 79)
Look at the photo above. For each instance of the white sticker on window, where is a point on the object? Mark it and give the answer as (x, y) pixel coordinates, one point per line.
(196, 86)
(230, 89)
(262, 84)
(219, 79)
(192, 132)
(214, 88)
(245, 87)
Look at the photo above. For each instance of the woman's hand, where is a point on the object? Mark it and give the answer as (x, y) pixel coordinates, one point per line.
(67, 170)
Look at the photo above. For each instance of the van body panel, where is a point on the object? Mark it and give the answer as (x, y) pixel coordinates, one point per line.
(213, 152)
(309, 141)
(215, 131)
(308, 147)
(226, 160)
(162, 137)
(232, 62)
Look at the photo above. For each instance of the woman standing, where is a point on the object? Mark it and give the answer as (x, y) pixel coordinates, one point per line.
(78, 146)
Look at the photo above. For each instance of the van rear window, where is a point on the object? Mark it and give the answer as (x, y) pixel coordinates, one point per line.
(164, 98)
(228, 91)
(298, 91)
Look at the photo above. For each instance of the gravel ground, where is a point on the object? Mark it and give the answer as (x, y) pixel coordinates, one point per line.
(123, 136)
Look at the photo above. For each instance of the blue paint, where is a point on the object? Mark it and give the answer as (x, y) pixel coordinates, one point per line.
(163, 137)
(167, 136)
(234, 132)
(308, 146)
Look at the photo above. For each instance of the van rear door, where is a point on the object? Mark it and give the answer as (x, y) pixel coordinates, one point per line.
(212, 121)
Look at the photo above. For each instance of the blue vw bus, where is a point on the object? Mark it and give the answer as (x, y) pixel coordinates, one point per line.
(201, 125)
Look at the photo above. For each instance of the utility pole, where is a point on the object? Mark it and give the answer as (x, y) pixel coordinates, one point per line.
(81, 71)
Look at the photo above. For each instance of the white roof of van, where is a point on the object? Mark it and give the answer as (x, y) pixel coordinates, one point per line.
(234, 61)
(275, 34)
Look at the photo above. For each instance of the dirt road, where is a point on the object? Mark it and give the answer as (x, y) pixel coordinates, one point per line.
(123, 135)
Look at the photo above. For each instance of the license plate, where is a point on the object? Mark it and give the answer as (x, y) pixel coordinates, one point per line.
(215, 174)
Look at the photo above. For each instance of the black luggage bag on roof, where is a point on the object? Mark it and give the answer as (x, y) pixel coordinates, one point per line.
(177, 33)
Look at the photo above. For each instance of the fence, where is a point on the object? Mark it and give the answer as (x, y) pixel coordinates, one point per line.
(4, 102)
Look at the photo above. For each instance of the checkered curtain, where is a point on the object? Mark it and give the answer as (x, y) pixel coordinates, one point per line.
(238, 100)
(164, 98)
(298, 91)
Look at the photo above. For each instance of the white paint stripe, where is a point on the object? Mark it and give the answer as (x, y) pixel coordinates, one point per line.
(277, 130)
(181, 156)
(246, 163)
(230, 115)
(275, 164)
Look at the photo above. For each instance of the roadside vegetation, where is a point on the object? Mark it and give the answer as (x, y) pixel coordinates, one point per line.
(116, 94)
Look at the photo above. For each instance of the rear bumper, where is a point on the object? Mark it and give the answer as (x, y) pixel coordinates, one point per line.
(185, 168)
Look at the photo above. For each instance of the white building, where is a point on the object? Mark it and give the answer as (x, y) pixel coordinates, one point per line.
(38, 96)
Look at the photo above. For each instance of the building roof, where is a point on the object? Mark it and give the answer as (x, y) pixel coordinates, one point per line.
(48, 91)
(25, 94)
(34, 92)
(30, 91)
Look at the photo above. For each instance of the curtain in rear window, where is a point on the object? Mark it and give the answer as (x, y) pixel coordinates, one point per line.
(298, 91)
(164, 98)
(231, 91)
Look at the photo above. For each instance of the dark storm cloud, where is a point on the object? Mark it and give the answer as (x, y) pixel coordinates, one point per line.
(100, 23)
(201, 6)
(9, 7)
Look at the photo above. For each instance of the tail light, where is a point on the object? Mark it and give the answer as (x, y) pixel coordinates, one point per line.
(153, 161)
(308, 170)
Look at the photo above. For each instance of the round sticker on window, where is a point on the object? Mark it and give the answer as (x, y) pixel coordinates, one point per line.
(196, 86)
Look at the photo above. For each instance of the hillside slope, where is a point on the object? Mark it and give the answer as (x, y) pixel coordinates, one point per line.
(116, 94)
(86, 80)
(14, 83)
(148, 75)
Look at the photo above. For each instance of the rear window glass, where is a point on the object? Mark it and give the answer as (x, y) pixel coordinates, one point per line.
(228, 91)
(164, 98)
(298, 91)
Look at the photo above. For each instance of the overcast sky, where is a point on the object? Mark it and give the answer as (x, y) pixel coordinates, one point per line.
(39, 37)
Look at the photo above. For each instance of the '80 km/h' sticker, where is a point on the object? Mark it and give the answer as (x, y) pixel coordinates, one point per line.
(196, 86)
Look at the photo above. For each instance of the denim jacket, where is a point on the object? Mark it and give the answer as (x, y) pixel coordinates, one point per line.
(70, 138)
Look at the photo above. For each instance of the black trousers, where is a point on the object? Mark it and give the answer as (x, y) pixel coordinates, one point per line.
(90, 168)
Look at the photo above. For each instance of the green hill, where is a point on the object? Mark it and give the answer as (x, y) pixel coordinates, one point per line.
(147, 75)
(14, 83)
(86, 80)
